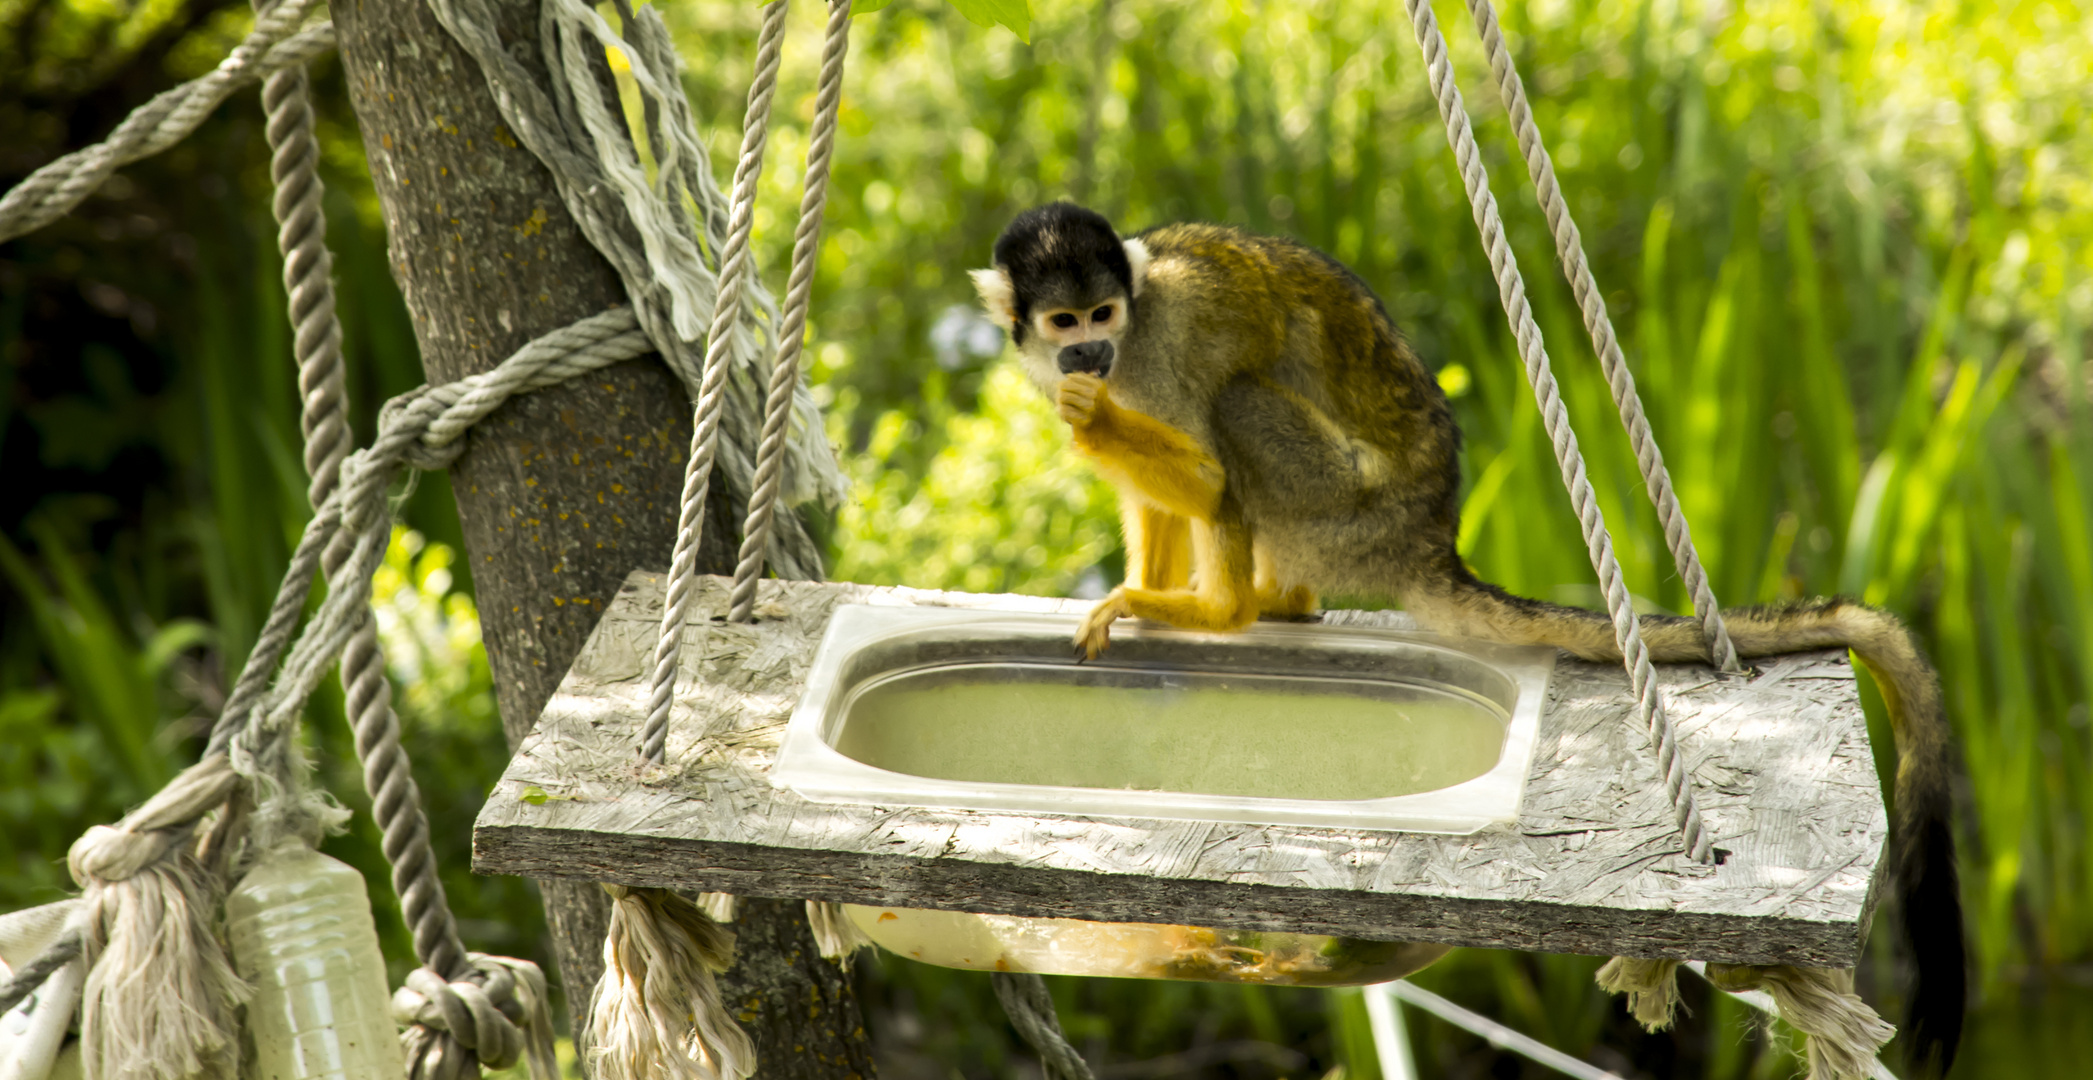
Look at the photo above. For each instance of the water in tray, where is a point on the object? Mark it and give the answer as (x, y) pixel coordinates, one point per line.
(1213, 733)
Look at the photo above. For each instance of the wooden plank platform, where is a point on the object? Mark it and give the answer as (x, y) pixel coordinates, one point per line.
(1594, 866)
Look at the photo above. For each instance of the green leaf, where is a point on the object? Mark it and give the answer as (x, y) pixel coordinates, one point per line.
(170, 641)
(867, 7)
(1015, 14)
(534, 795)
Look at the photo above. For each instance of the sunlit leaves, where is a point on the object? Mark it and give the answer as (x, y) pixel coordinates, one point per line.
(986, 14)
(1015, 14)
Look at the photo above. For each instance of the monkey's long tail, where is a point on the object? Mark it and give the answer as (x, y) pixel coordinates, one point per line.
(1923, 877)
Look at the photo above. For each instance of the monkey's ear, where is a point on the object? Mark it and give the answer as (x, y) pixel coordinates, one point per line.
(1137, 258)
(997, 295)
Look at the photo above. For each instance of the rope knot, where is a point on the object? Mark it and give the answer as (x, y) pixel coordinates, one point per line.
(413, 424)
(106, 853)
(111, 853)
(493, 1015)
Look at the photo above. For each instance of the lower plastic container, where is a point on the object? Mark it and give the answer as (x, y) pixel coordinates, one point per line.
(1137, 950)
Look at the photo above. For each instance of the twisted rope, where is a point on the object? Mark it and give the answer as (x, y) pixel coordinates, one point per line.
(278, 631)
(704, 441)
(25, 979)
(1569, 248)
(1511, 291)
(301, 237)
(388, 775)
(784, 373)
(454, 1034)
(397, 808)
(145, 847)
(421, 429)
(48, 193)
(1031, 1010)
(464, 1006)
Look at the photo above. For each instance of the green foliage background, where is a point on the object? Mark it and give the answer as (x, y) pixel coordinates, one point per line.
(1847, 247)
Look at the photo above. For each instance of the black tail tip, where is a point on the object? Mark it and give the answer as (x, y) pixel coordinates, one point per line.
(1931, 903)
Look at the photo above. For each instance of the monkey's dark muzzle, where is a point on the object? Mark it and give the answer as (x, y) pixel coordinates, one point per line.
(1090, 358)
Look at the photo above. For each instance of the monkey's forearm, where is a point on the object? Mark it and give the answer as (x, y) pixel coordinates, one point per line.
(1163, 465)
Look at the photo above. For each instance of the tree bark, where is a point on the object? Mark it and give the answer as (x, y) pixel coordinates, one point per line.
(801, 1010)
(564, 491)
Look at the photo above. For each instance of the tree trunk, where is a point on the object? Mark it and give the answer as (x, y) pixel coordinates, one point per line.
(564, 491)
(801, 1010)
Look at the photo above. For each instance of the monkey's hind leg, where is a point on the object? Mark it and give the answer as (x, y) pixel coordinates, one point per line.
(1158, 545)
(1224, 598)
(1275, 599)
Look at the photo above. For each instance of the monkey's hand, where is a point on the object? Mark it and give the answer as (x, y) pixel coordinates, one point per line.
(1083, 400)
(1096, 632)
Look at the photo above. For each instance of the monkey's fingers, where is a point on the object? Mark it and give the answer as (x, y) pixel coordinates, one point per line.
(1093, 639)
(1095, 635)
(1079, 398)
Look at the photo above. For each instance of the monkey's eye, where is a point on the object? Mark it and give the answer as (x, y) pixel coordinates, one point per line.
(1103, 314)
(1065, 321)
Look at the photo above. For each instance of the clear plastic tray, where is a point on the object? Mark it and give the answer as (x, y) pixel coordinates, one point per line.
(1280, 724)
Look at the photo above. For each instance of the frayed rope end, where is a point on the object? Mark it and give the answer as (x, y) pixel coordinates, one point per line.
(161, 999)
(1652, 987)
(657, 1013)
(834, 934)
(1844, 1033)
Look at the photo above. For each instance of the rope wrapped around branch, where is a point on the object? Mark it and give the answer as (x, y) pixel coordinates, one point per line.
(465, 1006)
(660, 250)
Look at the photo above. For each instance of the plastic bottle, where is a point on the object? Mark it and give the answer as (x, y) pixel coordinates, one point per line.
(301, 933)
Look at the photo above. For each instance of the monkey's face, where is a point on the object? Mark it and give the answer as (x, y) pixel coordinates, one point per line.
(1082, 338)
(1064, 285)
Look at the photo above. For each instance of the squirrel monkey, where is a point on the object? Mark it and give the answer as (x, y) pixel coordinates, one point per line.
(1271, 435)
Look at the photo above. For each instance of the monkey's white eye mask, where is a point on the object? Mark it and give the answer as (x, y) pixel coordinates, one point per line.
(999, 296)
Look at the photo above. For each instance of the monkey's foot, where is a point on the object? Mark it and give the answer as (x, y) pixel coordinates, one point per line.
(1295, 603)
(1096, 632)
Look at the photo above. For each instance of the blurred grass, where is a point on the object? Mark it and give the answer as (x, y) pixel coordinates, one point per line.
(1847, 248)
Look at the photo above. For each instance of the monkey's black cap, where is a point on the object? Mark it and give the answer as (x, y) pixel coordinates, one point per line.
(1062, 255)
